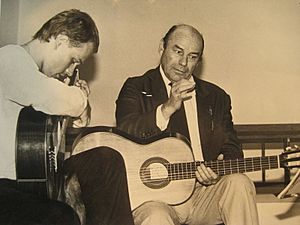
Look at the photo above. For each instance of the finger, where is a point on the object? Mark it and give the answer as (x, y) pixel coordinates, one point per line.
(67, 80)
(183, 81)
(181, 88)
(206, 172)
(212, 174)
(220, 157)
(88, 90)
(182, 95)
(201, 175)
(206, 182)
(83, 85)
(186, 96)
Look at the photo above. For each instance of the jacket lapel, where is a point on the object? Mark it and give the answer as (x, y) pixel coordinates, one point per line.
(158, 89)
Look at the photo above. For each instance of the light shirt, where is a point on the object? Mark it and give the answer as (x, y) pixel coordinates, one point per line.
(21, 84)
(190, 107)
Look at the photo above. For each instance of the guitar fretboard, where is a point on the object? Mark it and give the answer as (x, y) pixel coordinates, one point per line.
(179, 171)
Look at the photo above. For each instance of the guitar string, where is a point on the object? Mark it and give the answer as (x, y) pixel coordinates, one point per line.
(181, 174)
(173, 176)
(222, 164)
(219, 166)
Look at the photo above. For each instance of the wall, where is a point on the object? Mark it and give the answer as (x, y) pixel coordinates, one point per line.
(252, 49)
(9, 16)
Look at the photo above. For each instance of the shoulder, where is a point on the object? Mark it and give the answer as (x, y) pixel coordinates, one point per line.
(12, 50)
(150, 74)
(207, 87)
(10, 54)
(145, 79)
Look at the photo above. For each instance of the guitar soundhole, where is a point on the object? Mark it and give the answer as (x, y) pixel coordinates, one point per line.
(154, 173)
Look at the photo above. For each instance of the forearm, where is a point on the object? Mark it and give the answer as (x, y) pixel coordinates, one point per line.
(67, 103)
(49, 96)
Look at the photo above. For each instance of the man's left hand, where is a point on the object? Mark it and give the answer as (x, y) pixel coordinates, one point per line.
(206, 176)
(82, 84)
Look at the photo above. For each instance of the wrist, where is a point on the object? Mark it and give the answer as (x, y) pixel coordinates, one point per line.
(167, 110)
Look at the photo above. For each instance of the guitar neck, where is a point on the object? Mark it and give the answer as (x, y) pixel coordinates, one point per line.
(179, 171)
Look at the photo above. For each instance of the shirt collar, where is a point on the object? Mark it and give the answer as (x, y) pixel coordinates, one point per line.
(164, 77)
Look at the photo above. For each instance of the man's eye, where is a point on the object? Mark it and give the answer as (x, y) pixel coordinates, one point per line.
(193, 57)
(178, 52)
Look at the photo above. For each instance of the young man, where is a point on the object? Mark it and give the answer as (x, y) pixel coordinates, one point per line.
(170, 98)
(28, 77)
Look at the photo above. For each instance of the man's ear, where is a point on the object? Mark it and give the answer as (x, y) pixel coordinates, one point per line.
(61, 39)
(161, 47)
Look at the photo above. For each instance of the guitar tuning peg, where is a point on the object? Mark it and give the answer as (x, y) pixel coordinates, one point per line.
(291, 148)
(288, 145)
(288, 148)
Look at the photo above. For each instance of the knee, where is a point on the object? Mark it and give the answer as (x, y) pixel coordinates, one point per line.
(61, 214)
(156, 213)
(240, 182)
(154, 207)
(108, 156)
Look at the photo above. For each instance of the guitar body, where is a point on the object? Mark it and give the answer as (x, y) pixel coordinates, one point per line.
(145, 164)
(38, 162)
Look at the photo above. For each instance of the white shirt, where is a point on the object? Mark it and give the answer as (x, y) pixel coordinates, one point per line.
(190, 107)
(21, 84)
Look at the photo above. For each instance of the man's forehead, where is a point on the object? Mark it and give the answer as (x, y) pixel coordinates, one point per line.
(84, 51)
(186, 34)
(189, 43)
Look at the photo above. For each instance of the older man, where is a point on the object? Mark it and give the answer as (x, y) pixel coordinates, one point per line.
(171, 98)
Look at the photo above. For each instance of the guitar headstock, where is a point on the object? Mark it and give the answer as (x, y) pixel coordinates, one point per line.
(290, 158)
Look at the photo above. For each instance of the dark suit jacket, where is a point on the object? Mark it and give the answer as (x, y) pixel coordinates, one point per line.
(140, 96)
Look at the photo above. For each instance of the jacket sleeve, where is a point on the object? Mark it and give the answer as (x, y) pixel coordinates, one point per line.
(135, 111)
(231, 148)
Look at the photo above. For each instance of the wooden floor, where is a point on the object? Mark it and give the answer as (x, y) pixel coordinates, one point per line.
(274, 211)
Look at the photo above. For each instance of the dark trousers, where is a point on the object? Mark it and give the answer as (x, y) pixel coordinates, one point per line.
(104, 192)
(19, 208)
(102, 177)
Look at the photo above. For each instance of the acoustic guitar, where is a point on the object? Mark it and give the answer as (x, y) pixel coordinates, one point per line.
(163, 167)
(39, 157)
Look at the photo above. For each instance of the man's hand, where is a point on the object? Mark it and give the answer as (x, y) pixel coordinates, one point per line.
(206, 176)
(180, 91)
(82, 84)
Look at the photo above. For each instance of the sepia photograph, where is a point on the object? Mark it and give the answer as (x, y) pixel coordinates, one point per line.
(149, 112)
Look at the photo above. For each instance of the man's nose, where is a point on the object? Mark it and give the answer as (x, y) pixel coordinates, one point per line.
(183, 60)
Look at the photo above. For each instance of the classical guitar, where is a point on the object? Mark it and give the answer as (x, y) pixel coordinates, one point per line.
(38, 159)
(40, 151)
(163, 168)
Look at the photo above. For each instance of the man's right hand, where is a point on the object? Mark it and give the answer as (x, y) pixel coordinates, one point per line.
(82, 84)
(180, 91)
